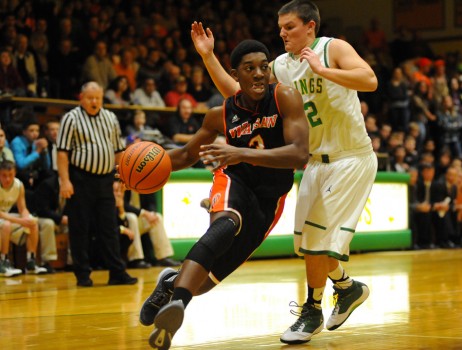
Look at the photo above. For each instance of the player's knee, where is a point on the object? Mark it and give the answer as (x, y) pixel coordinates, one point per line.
(214, 243)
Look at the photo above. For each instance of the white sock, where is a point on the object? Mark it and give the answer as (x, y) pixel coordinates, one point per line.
(340, 278)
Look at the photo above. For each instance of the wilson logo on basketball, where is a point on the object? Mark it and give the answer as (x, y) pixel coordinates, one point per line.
(147, 158)
(129, 155)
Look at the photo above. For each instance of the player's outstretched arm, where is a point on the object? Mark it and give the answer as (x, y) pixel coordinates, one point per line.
(204, 43)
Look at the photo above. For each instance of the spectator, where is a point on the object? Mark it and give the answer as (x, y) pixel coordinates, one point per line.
(414, 131)
(118, 92)
(130, 240)
(147, 95)
(444, 194)
(51, 134)
(39, 48)
(375, 39)
(21, 227)
(98, 67)
(182, 126)
(450, 126)
(385, 133)
(65, 71)
(422, 208)
(24, 62)
(456, 93)
(371, 125)
(398, 162)
(5, 152)
(127, 67)
(423, 110)
(422, 74)
(30, 153)
(86, 160)
(412, 156)
(198, 88)
(398, 101)
(152, 67)
(173, 97)
(10, 80)
(439, 82)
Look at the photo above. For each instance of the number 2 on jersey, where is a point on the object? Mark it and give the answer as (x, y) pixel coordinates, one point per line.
(312, 114)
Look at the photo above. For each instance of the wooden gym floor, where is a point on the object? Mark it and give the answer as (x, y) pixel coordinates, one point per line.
(415, 303)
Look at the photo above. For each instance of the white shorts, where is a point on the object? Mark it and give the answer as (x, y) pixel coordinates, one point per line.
(18, 233)
(330, 201)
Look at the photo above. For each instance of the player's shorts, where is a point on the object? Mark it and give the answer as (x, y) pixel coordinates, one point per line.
(330, 201)
(258, 216)
(18, 233)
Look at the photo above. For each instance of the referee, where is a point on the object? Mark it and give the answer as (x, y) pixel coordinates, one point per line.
(89, 145)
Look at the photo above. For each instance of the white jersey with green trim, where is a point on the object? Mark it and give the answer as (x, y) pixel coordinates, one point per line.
(9, 196)
(336, 124)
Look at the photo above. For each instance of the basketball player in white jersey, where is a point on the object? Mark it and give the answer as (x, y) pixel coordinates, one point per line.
(339, 176)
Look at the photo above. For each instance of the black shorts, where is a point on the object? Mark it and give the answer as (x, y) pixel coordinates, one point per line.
(258, 217)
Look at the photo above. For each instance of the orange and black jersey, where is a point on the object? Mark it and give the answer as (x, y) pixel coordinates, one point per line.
(261, 129)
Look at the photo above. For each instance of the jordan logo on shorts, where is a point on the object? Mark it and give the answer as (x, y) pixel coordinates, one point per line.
(329, 189)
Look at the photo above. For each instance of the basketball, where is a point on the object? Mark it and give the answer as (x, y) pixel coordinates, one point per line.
(145, 167)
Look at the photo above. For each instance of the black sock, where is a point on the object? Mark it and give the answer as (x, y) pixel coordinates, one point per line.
(182, 294)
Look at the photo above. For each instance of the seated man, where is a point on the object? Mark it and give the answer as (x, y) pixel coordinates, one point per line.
(6, 268)
(153, 223)
(23, 227)
(130, 240)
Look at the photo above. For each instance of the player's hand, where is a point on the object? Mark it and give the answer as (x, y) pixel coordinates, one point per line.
(203, 39)
(220, 155)
(312, 58)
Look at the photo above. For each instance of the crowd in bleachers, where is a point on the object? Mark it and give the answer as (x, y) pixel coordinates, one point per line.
(141, 53)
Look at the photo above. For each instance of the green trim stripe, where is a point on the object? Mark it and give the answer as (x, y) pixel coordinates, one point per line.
(315, 225)
(315, 42)
(342, 257)
(326, 59)
(347, 229)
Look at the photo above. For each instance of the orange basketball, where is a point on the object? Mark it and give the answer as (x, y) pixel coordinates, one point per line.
(145, 167)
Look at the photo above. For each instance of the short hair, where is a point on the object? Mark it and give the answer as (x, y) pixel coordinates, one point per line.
(245, 47)
(7, 165)
(29, 121)
(305, 10)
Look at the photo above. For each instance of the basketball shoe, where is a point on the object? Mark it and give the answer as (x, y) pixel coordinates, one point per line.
(347, 300)
(6, 270)
(309, 323)
(32, 267)
(166, 323)
(159, 297)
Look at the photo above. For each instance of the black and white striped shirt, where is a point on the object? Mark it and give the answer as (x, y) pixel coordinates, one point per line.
(91, 141)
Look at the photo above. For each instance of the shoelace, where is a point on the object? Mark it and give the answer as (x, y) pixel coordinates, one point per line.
(302, 315)
(160, 298)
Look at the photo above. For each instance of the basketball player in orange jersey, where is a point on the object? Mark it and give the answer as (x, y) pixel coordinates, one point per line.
(267, 138)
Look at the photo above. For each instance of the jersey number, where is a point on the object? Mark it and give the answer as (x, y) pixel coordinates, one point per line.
(257, 142)
(312, 114)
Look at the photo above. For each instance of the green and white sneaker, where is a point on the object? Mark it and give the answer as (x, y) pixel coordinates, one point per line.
(6, 270)
(309, 323)
(347, 300)
(32, 267)
(166, 324)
